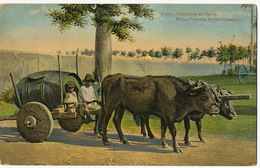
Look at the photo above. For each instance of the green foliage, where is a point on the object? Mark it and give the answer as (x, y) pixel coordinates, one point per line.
(152, 53)
(203, 53)
(69, 15)
(131, 54)
(158, 54)
(231, 53)
(253, 69)
(195, 54)
(138, 51)
(188, 50)
(88, 52)
(118, 18)
(123, 53)
(166, 51)
(231, 72)
(7, 95)
(177, 53)
(115, 52)
(144, 53)
(211, 53)
(222, 54)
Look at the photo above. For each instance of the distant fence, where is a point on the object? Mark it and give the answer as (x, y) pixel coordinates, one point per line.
(21, 64)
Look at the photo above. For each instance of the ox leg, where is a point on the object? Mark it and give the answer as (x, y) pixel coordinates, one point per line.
(96, 128)
(119, 112)
(187, 129)
(163, 131)
(199, 125)
(171, 126)
(97, 114)
(107, 115)
(150, 134)
(143, 132)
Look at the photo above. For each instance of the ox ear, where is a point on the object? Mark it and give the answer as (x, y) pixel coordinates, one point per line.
(191, 82)
(195, 83)
(199, 82)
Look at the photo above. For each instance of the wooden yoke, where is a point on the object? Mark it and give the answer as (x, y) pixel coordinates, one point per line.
(235, 97)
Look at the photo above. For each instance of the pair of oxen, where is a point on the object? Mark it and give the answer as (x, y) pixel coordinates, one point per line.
(167, 97)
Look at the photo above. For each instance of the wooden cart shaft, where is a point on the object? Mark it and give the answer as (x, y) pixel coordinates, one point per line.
(236, 97)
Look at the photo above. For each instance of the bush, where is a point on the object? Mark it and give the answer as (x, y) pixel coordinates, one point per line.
(7, 95)
(231, 72)
(253, 69)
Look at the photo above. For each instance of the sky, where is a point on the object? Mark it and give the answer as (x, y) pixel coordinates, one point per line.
(25, 27)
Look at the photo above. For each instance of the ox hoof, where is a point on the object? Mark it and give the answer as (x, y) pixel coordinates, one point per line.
(165, 146)
(203, 140)
(177, 151)
(152, 137)
(188, 143)
(126, 142)
(106, 143)
(98, 135)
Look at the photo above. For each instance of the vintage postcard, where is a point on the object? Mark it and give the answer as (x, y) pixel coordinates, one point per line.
(121, 84)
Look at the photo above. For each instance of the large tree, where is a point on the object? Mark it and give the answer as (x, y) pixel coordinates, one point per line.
(109, 19)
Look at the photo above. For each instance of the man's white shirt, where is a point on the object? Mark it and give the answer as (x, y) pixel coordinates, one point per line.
(86, 94)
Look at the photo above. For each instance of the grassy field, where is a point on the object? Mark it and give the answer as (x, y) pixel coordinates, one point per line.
(7, 109)
(243, 127)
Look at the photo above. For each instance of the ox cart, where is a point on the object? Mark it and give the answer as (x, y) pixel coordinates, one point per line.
(243, 74)
(40, 99)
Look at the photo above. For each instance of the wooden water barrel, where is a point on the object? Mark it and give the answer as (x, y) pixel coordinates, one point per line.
(44, 87)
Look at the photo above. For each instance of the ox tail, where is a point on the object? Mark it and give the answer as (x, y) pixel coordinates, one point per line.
(138, 119)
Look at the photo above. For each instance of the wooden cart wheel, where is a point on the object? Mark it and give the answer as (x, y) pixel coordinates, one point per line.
(71, 124)
(34, 122)
(243, 74)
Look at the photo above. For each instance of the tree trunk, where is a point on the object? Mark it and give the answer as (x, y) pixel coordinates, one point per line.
(225, 68)
(103, 53)
(252, 37)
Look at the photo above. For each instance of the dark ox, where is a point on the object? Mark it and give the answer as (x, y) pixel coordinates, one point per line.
(226, 110)
(164, 96)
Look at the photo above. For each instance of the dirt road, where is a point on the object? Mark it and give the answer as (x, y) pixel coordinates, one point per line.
(83, 148)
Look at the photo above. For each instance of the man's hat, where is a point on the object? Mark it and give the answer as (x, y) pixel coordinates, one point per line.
(88, 77)
(70, 84)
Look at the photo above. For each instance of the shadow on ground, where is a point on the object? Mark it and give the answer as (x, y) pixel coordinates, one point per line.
(137, 143)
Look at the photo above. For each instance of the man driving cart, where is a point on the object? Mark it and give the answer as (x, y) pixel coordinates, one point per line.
(86, 96)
